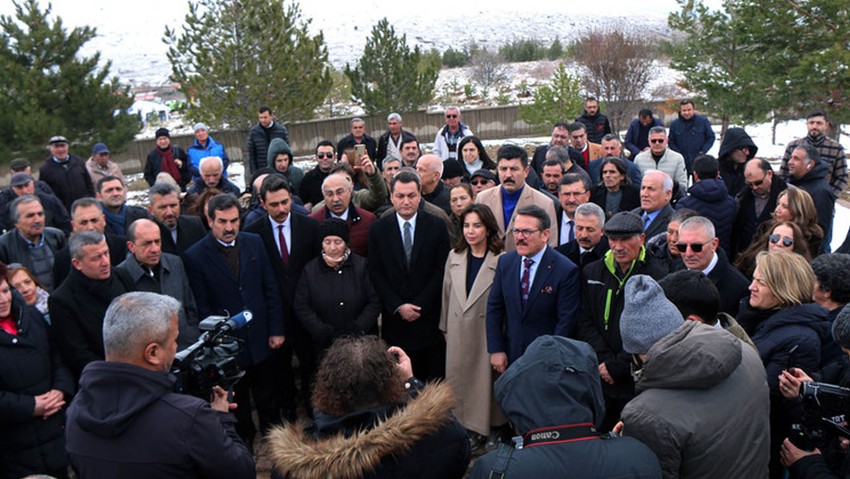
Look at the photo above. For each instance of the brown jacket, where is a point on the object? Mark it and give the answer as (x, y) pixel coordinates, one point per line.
(529, 196)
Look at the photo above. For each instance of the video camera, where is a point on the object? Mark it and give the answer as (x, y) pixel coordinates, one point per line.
(213, 359)
(824, 409)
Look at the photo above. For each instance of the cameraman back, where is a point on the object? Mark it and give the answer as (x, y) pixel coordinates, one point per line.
(126, 422)
(812, 464)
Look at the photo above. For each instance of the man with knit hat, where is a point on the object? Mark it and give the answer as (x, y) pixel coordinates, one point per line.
(702, 403)
(167, 158)
(99, 165)
(602, 303)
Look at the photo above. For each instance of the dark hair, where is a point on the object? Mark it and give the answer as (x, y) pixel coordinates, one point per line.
(197, 206)
(572, 178)
(265, 109)
(325, 143)
(591, 98)
(464, 186)
(645, 112)
(657, 129)
(682, 214)
(746, 261)
(812, 153)
(162, 189)
(482, 153)
(692, 293)
(355, 374)
(686, 101)
(512, 152)
(612, 137)
(344, 167)
(817, 112)
(82, 203)
(106, 179)
(494, 240)
(272, 183)
(553, 162)
(535, 211)
(405, 175)
(706, 167)
(560, 125)
(576, 126)
(833, 273)
(618, 163)
(222, 202)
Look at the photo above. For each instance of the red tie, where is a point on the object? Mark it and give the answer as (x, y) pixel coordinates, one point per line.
(284, 252)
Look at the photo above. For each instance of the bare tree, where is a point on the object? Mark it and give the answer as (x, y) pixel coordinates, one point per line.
(616, 67)
(488, 68)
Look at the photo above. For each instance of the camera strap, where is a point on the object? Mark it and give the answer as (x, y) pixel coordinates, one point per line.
(560, 434)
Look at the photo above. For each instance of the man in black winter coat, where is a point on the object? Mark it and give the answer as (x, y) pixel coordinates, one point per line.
(755, 203)
(260, 136)
(808, 172)
(65, 174)
(595, 122)
(709, 197)
(737, 149)
(126, 421)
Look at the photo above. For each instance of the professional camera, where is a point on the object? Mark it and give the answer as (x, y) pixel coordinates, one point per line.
(213, 359)
(824, 409)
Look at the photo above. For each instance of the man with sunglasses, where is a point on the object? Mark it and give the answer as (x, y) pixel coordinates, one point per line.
(660, 157)
(698, 245)
(755, 203)
(311, 185)
(710, 198)
(445, 144)
(602, 297)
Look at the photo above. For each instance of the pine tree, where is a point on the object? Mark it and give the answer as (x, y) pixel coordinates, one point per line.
(47, 88)
(235, 55)
(556, 102)
(390, 76)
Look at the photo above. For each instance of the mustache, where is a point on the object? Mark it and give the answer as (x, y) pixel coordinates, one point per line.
(583, 241)
(508, 180)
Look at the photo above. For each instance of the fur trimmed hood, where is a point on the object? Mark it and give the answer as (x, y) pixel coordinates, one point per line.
(296, 455)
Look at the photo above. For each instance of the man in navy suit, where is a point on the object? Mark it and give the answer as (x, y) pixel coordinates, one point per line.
(300, 235)
(407, 257)
(229, 272)
(535, 291)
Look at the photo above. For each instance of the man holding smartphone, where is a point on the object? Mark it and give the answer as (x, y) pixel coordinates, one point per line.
(357, 136)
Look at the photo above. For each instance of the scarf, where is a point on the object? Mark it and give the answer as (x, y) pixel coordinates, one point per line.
(168, 164)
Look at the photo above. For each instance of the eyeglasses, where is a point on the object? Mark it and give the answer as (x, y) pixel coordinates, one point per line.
(787, 241)
(451, 116)
(657, 141)
(324, 155)
(695, 247)
(756, 184)
(523, 233)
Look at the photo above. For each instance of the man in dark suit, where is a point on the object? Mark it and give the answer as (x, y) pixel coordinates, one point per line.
(87, 215)
(299, 244)
(535, 291)
(153, 271)
(407, 256)
(656, 190)
(178, 232)
(590, 244)
(112, 194)
(231, 272)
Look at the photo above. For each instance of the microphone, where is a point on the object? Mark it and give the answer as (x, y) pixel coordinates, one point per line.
(221, 324)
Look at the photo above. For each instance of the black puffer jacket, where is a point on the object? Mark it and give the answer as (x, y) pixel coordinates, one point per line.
(815, 184)
(70, 181)
(711, 199)
(259, 139)
(556, 383)
(30, 366)
(731, 172)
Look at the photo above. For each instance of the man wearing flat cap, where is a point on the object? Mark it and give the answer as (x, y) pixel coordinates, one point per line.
(481, 180)
(65, 174)
(22, 184)
(100, 166)
(703, 403)
(602, 297)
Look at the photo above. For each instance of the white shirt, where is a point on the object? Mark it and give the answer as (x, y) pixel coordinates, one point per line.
(287, 232)
(402, 221)
(343, 216)
(711, 265)
(533, 269)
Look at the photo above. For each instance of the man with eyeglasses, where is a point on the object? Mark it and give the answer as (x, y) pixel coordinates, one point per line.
(445, 144)
(660, 157)
(535, 291)
(755, 203)
(573, 191)
(698, 245)
(602, 296)
(710, 198)
(311, 185)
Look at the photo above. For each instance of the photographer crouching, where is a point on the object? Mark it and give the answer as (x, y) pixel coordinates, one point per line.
(826, 412)
(126, 422)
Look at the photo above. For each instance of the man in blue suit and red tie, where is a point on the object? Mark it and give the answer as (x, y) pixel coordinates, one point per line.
(535, 291)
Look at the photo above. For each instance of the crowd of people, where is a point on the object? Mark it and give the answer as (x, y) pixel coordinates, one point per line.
(632, 308)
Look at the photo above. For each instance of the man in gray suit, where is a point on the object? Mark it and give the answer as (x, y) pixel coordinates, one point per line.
(154, 271)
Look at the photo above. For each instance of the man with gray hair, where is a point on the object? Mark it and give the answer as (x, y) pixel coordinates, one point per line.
(78, 305)
(660, 157)
(389, 144)
(211, 169)
(698, 245)
(590, 243)
(338, 191)
(178, 232)
(445, 144)
(126, 421)
(358, 136)
(656, 191)
(430, 169)
(42, 249)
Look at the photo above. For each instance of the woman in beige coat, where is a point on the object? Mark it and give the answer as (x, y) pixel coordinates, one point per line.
(470, 270)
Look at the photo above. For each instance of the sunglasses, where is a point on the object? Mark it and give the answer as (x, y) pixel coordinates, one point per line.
(451, 116)
(695, 247)
(787, 241)
(755, 184)
(656, 141)
(324, 155)
(478, 182)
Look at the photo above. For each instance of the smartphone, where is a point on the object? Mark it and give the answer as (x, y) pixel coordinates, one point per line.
(359, 151)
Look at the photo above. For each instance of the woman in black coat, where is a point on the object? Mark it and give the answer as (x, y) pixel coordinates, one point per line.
(34, 388)
(616, 193)
(335, 296)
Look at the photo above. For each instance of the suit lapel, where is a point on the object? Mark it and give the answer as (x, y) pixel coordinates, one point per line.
(394, 233)
(483, 281)
(215, 257)
(457, 272)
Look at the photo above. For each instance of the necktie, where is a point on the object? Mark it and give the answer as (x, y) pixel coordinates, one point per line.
(645, 221)
(572, 231)
(284, 251)
(524, 285)
(408, 241)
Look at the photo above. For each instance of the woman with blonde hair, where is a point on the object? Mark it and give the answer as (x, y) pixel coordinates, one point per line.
(795, 204)
(787, 329)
